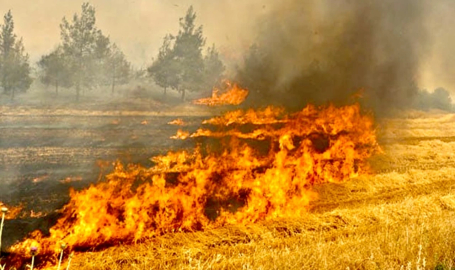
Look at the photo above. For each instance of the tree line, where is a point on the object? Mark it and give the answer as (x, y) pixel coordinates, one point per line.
(86, 58)
(180, 64)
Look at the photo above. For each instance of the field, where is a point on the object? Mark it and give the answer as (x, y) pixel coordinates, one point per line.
(402, 216)
(46, 150)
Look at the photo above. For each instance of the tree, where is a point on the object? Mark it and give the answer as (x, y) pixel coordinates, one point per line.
(164, 69)
(441, 99)
(117, 67)
(99, 69)
(213, 68)
(55, 70)
(180, 64)
(14, 62)
(258, 74)
(187, 52)
(79, 40)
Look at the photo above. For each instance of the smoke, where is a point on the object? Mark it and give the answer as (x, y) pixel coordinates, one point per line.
(327, 51)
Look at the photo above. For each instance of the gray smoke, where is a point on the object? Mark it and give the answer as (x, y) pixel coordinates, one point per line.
(326, 51)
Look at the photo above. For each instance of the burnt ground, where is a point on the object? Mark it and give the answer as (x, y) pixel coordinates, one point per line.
(45, 152)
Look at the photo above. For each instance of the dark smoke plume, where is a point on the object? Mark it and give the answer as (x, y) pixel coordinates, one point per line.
(327, 51)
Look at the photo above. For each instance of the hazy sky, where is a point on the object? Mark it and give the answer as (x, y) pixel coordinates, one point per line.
(138, 27)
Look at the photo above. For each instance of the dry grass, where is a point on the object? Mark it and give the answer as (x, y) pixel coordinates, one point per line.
(403, 217)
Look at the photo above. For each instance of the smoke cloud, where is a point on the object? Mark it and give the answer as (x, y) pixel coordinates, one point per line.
(326, 51)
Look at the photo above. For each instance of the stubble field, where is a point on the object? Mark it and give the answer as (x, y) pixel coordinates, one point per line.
(402, 216)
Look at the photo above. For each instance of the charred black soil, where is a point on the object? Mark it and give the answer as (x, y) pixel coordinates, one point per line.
(44, 152)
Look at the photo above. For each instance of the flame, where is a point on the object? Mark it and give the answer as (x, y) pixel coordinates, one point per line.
(266, 176)
(181, 134)
(40, 178)
(234, 95)
(34, 214)
(71, 179)
(13, 211)
(177, 122)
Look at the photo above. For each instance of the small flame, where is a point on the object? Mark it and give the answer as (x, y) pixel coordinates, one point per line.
(182, 135)
(40, 178)
(13, 211)
(177, 122)
(234, 95)
(71, 179)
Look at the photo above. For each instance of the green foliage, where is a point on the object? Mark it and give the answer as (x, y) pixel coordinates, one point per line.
(441, 266)
(54, 70)
(14, 62)
(213, 68)
(188, 53)
(79, 44)
(118, 68)
(258, 73)
(92, 59)
(439, 99)
(164, 69)
(180, 64)
(99, 58)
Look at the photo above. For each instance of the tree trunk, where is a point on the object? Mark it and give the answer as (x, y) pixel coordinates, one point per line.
(79, 74)
(113, 87)
(113, 81)
(78, 90)
(164, 91)
(12, 94)
(183, 95)
(56, 87)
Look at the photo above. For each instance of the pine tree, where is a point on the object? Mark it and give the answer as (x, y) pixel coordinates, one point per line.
(99, 70)
(14, 62)
(213, 68)
(118, 67)
(54, 70)
(258, 74)
(164, 69)
(180, 64)
(79, 40)
(187, 52)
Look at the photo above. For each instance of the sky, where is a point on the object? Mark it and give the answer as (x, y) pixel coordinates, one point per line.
(138, 27)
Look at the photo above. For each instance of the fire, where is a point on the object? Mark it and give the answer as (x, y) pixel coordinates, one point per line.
(71, 179)
(13, 211)
(234, 95)
(181, 135)
(177, 122)
(262, 167)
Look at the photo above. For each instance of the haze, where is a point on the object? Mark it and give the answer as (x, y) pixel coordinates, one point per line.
(138, 27)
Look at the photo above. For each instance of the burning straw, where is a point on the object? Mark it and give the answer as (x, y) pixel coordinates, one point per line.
(233, 95)
(258, 165)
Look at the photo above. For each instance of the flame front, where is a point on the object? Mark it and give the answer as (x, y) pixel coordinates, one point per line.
(257, 165)
(13, 211)
(234, 95)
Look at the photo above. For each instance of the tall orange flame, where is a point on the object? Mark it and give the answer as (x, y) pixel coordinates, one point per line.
(234, 95)
(263, 169)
